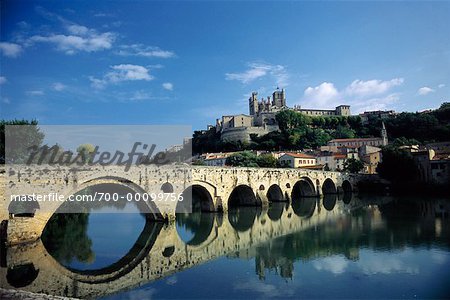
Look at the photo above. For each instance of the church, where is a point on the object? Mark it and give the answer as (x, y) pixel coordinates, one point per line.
(261, 118)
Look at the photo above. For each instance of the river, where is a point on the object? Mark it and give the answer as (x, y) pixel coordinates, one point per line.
(334, 247)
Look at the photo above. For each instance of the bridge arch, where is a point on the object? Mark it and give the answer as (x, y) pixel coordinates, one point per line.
(328, 187)
(303, 188)
(275, 194)
(196, 198)
(243, 195)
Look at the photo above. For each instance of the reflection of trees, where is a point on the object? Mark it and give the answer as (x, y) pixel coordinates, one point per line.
(65, 237)
(394, 225)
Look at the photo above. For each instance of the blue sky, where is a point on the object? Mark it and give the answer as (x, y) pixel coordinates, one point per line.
(143, 62)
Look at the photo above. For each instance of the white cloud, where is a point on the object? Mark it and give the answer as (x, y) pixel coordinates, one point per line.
(123, 72)
(35, 93)
(371, 87)
(397, 263)
(441, 85)
(360, 95)
(333, 264)
(58, 86)
(258, 70)
(2, 80)
(6, 100)
(78, 29)
(322, 93)
(80, 38)
(377, 103)
(267, 290)
(144, 51)
(10, 49)
(425, 91)
(167, 86)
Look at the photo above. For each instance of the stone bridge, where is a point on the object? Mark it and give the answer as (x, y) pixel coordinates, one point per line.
(219, 188)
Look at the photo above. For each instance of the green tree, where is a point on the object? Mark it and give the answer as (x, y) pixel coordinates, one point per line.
(344, 132)
(242, 159)
(267, 161)
(15, 142)
(289, 119)
(85, 151)
(353, 165)
(397, 165)
(66, 238)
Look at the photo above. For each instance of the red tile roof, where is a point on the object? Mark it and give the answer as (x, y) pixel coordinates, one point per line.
(300, 155)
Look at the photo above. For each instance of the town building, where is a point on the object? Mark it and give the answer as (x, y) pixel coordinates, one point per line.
(371, 157)
(433, 168)
(297, 160)
(359, 142)
(376, 115)
(215, 159)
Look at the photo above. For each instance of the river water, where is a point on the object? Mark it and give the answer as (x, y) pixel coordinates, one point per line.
(357, 247)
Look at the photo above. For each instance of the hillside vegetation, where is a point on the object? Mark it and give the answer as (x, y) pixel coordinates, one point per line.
(298, 131)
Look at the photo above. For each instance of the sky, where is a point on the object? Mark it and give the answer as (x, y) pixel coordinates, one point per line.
(190, 62)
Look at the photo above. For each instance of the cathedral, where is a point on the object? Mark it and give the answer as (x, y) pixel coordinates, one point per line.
(261, 118)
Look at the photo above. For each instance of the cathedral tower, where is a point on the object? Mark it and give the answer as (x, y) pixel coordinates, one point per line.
(384, 134)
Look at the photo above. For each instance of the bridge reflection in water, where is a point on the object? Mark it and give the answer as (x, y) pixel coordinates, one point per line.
(275, 237)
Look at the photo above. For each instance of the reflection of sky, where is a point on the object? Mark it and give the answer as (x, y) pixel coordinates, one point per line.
(112, 236)
(115, 137)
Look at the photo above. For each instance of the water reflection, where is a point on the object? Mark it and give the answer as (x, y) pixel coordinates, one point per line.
(242, 218)
(99, 238)
(407, 241)
(329, 201)
(304, 207)
(276, 210)
(194, 228)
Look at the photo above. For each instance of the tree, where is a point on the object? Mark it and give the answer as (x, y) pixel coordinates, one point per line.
(242, 159)
(289, 119)
(17, 138)
(397, 165)
(353, 165)
(344, 132)
(85, 151)
(267, 161)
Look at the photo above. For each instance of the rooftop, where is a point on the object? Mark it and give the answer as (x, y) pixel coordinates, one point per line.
(355, 140)
(300, 155)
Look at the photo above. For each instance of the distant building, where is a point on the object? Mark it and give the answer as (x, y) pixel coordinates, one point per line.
(341, 110)
(262, 117)
(378, 114)
(215, 159)
(174, 148)
(434, 163)
(371, 157)
(334, 161)
(359, 142)
(297, 160)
